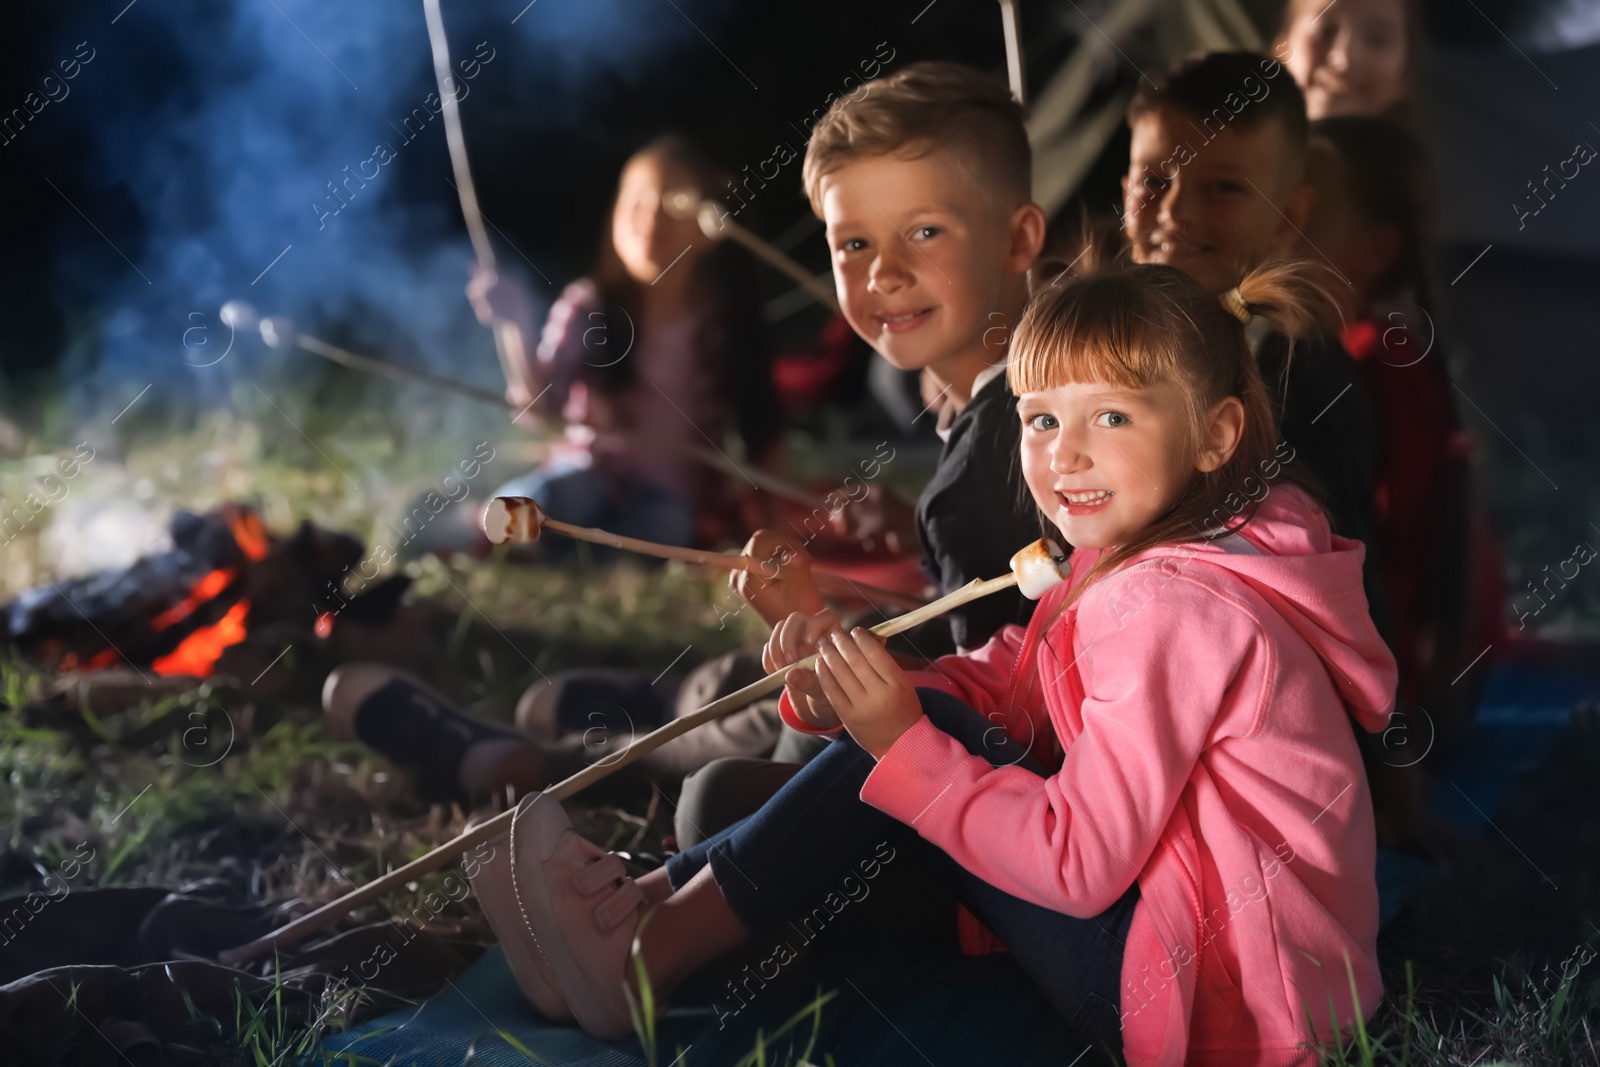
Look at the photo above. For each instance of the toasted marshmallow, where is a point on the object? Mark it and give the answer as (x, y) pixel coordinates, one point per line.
(514, 519)
(1039, 568)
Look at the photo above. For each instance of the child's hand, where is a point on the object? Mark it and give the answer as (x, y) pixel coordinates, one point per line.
(499, 298)
(792, 640)
(866, 689)
(779, 583)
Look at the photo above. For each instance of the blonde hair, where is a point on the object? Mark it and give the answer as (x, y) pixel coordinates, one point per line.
(927, 107)
(1136, 326)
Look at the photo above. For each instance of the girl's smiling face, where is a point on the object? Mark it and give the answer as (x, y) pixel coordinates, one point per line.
(1103, 461)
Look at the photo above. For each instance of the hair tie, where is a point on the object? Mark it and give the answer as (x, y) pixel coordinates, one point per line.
(1233, 302)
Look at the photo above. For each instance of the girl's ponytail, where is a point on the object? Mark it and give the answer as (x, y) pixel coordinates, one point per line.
(1296, 296)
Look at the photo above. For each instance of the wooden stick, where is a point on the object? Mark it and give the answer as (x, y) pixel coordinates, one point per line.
(759, 247)
(833, 584)
(1013, 33)
(699, 453)
(329, 913)
(716, 222)
(508, 340)
(344, 357)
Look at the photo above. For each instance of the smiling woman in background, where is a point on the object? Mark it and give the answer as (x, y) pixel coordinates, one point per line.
(1350, 57)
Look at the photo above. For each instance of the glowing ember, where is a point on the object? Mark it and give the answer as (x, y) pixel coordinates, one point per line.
(249, 532)
(71, 661)
(204, 590)
(324, 625)
(198, 653)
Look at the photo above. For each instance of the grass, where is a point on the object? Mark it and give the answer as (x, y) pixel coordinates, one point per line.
(1531, 1024)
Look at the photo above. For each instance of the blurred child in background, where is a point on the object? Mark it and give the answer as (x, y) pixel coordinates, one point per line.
(662, 343)
(1350, 57)
(1374, 198)
(1216, 185)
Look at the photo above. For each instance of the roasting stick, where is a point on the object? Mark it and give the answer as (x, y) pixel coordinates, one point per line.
(279, 332)
(519, 520)
(508, 339)
(1034, 570)
(509, 342)
(716, 223)
(1013, 32)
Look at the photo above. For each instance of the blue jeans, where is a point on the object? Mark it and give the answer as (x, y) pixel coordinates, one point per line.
(580, 496)
(816, 835)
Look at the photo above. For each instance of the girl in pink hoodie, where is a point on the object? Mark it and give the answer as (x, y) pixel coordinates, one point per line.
(1152, 795)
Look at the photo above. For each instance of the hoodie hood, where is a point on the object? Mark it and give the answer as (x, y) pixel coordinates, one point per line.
(1289, 555)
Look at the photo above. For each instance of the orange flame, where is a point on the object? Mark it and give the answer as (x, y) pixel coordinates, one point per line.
(249, 532)
(204, 590)
(198, 653)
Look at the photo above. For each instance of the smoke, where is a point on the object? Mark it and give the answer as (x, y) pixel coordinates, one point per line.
(290, 153)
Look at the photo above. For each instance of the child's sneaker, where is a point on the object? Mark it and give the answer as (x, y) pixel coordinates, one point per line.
(492, 885)
(583, 908)
(449, 753)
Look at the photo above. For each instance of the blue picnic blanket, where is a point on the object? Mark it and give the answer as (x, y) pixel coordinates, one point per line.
(901, 1004)
(909, 1004)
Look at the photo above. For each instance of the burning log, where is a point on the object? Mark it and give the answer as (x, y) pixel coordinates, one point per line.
(176, 612)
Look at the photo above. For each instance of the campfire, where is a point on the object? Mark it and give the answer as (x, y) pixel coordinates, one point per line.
(196, 655)
(176, 612)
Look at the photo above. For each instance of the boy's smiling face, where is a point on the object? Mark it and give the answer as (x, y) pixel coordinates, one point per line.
(927, 265)
(1213, 209)
(1104, 462)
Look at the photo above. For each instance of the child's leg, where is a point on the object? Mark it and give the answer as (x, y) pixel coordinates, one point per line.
(784, 862)
(450, 753)
(786, 859)
(1076, 963)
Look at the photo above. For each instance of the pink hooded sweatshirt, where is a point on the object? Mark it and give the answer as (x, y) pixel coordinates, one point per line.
(1198, 695)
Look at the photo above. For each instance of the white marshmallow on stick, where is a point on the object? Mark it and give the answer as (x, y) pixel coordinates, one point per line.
(518, 520)
(1042, 563)
(1039, 568)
